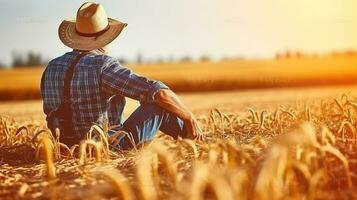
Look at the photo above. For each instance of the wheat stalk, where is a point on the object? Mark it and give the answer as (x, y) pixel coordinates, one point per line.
(121, 184)
(47, 150)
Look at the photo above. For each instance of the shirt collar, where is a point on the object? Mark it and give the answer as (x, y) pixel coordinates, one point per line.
(97, 52)
(94, 51)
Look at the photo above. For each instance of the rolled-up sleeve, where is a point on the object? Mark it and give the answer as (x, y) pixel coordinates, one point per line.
(117, 79)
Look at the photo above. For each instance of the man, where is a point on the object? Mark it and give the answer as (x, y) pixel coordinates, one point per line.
(86, 86)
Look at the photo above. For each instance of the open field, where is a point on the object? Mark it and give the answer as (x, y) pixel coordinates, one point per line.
(297, 143)
(211, 76)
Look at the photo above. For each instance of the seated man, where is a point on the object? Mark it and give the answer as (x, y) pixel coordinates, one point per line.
(86, 86)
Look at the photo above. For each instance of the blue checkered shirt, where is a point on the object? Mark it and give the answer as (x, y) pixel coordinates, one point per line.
(98, 88)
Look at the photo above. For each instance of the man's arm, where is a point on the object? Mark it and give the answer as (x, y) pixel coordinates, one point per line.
(117, 79)
(169, 101)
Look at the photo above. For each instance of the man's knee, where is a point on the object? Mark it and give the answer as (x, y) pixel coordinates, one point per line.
(144, 114)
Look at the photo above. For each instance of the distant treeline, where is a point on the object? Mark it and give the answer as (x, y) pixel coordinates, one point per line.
(32, 59)
(141, 60)
(299, 54)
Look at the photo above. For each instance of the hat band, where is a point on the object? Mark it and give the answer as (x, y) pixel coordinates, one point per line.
(93, 34)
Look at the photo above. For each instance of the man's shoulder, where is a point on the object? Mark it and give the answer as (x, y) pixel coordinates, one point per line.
(109, 59)
(62, 59)
(91, 59)
(109, 62)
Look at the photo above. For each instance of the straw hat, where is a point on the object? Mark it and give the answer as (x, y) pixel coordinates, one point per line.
(92, 28)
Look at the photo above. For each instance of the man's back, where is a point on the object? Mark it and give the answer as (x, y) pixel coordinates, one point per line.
(97, 79)
(89, 102)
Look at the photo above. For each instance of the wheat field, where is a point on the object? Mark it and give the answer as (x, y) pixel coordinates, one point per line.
(23, 83)
(296, 150)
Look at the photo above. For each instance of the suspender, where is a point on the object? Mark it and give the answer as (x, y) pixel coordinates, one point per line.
(64, 111)
(66, 99)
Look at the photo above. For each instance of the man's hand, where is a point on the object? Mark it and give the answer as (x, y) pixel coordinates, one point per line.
(168, 100)
(192, 127)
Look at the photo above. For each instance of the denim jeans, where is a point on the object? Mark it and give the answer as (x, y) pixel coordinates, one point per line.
(144, 123)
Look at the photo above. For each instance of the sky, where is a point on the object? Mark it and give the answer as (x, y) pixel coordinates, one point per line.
(178, 28)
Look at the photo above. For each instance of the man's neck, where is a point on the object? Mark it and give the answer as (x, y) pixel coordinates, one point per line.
(97, 51)
(94, 51)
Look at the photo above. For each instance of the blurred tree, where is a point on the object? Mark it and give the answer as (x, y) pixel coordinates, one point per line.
(17, 59)
(298, 54)
(33, 60)
(278, 56)
(186, 59)
(205, 58)
(349, 53)
(139, 58)
(335, 54)
(159, 61)
(226, 59)
(287, 54)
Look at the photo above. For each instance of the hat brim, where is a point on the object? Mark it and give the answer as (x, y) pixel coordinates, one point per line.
(69, 36)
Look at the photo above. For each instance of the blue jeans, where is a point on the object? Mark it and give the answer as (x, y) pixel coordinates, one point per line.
(146, 120)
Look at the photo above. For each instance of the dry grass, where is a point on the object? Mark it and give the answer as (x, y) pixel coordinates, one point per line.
(295, 152)
(211, 76)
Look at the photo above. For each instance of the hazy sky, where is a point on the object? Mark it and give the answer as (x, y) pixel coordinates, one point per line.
(176, 28)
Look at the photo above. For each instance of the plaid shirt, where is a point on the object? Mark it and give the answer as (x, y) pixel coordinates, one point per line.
(98, 88)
